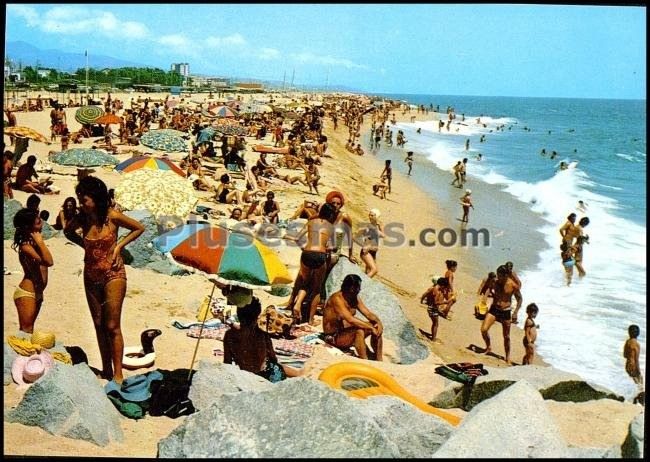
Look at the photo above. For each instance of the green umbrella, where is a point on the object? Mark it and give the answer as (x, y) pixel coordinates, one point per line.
(88, 114)
(165, 140)
(81, 157)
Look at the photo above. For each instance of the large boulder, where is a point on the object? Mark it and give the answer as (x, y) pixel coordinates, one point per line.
(513, 424)
(12, 206)
(141, 253)
(212, 380)
(552, 383)
(69, 401)
(381, 301)
(632, 447)
(295, 418)
(415, 433)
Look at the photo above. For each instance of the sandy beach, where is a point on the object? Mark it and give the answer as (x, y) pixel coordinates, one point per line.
(153, 300)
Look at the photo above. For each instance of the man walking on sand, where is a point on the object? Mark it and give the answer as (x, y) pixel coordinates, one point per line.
(504, 289)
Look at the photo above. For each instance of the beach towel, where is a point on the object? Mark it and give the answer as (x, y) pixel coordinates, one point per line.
(186, 325)
(294, 347)
(213, 332)
(465, 373)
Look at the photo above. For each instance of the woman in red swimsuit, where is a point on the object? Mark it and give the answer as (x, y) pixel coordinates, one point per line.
(104, 273)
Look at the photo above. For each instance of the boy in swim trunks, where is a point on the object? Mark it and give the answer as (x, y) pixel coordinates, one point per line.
(631, 353)
(343, 330)
(436, 300)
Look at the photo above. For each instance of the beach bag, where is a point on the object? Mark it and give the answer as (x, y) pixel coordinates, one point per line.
(465, 373)
(481, 308)
(170, 398)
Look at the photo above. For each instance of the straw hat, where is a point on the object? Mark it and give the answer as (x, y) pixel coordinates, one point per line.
(44, 339)
(26, 370)
(273, 322)
(468, 191)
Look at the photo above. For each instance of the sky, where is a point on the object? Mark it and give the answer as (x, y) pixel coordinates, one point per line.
(487, 50)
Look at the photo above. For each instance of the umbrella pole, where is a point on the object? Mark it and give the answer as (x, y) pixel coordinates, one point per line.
(196, 348)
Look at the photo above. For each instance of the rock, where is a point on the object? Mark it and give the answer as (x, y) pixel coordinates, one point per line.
(381, 301)
(212, 380)
(12, 206)
(141, 253)
(632, 447)
(295, 418)
(594, 453)
(552, 383)
(69, 401)
(9, 356)
(513, 424)
(415, 433)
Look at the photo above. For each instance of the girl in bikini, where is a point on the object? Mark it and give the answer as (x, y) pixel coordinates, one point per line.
(370, 242)
(35, 258)
(314, 258)
(104, 273)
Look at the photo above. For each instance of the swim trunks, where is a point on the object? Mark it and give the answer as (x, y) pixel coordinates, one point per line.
(313, 259)
(499, 314)
(433, 311)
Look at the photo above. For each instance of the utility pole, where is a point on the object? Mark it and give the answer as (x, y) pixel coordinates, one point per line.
(293, 74)
(86, 76)
(327, 79)
(283, 79)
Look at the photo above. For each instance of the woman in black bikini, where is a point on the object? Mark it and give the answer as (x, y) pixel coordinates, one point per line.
(226, 192)
(313, 260)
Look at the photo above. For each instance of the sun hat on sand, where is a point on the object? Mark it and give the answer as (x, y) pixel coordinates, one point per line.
(135, 388)
(28, 369)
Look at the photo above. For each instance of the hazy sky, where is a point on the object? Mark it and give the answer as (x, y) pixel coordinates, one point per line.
(493, 50)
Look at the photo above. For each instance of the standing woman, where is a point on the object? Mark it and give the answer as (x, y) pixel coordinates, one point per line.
(452, 266)
(104, 273)
(370, 243)
(35, 258)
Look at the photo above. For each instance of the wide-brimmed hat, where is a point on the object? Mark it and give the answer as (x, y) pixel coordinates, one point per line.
(135, 388)
(28, 369)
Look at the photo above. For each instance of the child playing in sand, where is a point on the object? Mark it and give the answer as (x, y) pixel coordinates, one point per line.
(380, 188)
(530, 334)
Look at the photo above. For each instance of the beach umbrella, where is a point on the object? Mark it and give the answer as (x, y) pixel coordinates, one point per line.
(164, 140)
(225, 257)
(234, 103)
(26, 132)
(171, 103)
(228, 129)
(228, 257)
(88, 114)
(255, 108)
(84, 157)
(154, 163)
(162, 192)
(223, 111)
(109, 119)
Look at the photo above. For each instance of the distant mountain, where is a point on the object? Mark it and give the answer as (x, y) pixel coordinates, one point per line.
(29, 55)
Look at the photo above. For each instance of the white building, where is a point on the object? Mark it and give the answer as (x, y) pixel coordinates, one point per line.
(181, 68)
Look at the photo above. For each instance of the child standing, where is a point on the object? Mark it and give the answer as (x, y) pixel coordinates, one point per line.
(409, 161)
(631, 353)
(530, 333)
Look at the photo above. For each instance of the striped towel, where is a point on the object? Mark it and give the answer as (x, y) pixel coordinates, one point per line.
(212, 332)
(293, 347)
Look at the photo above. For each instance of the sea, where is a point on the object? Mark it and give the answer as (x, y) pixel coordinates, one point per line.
(582, 326)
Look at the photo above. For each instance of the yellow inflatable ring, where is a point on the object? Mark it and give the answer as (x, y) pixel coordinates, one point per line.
(361, 381)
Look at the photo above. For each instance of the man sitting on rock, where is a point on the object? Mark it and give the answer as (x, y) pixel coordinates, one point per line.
(343, 330)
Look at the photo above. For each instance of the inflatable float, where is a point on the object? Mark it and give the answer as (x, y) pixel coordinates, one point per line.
(270, 149)
(136, 357)
(361, 381)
